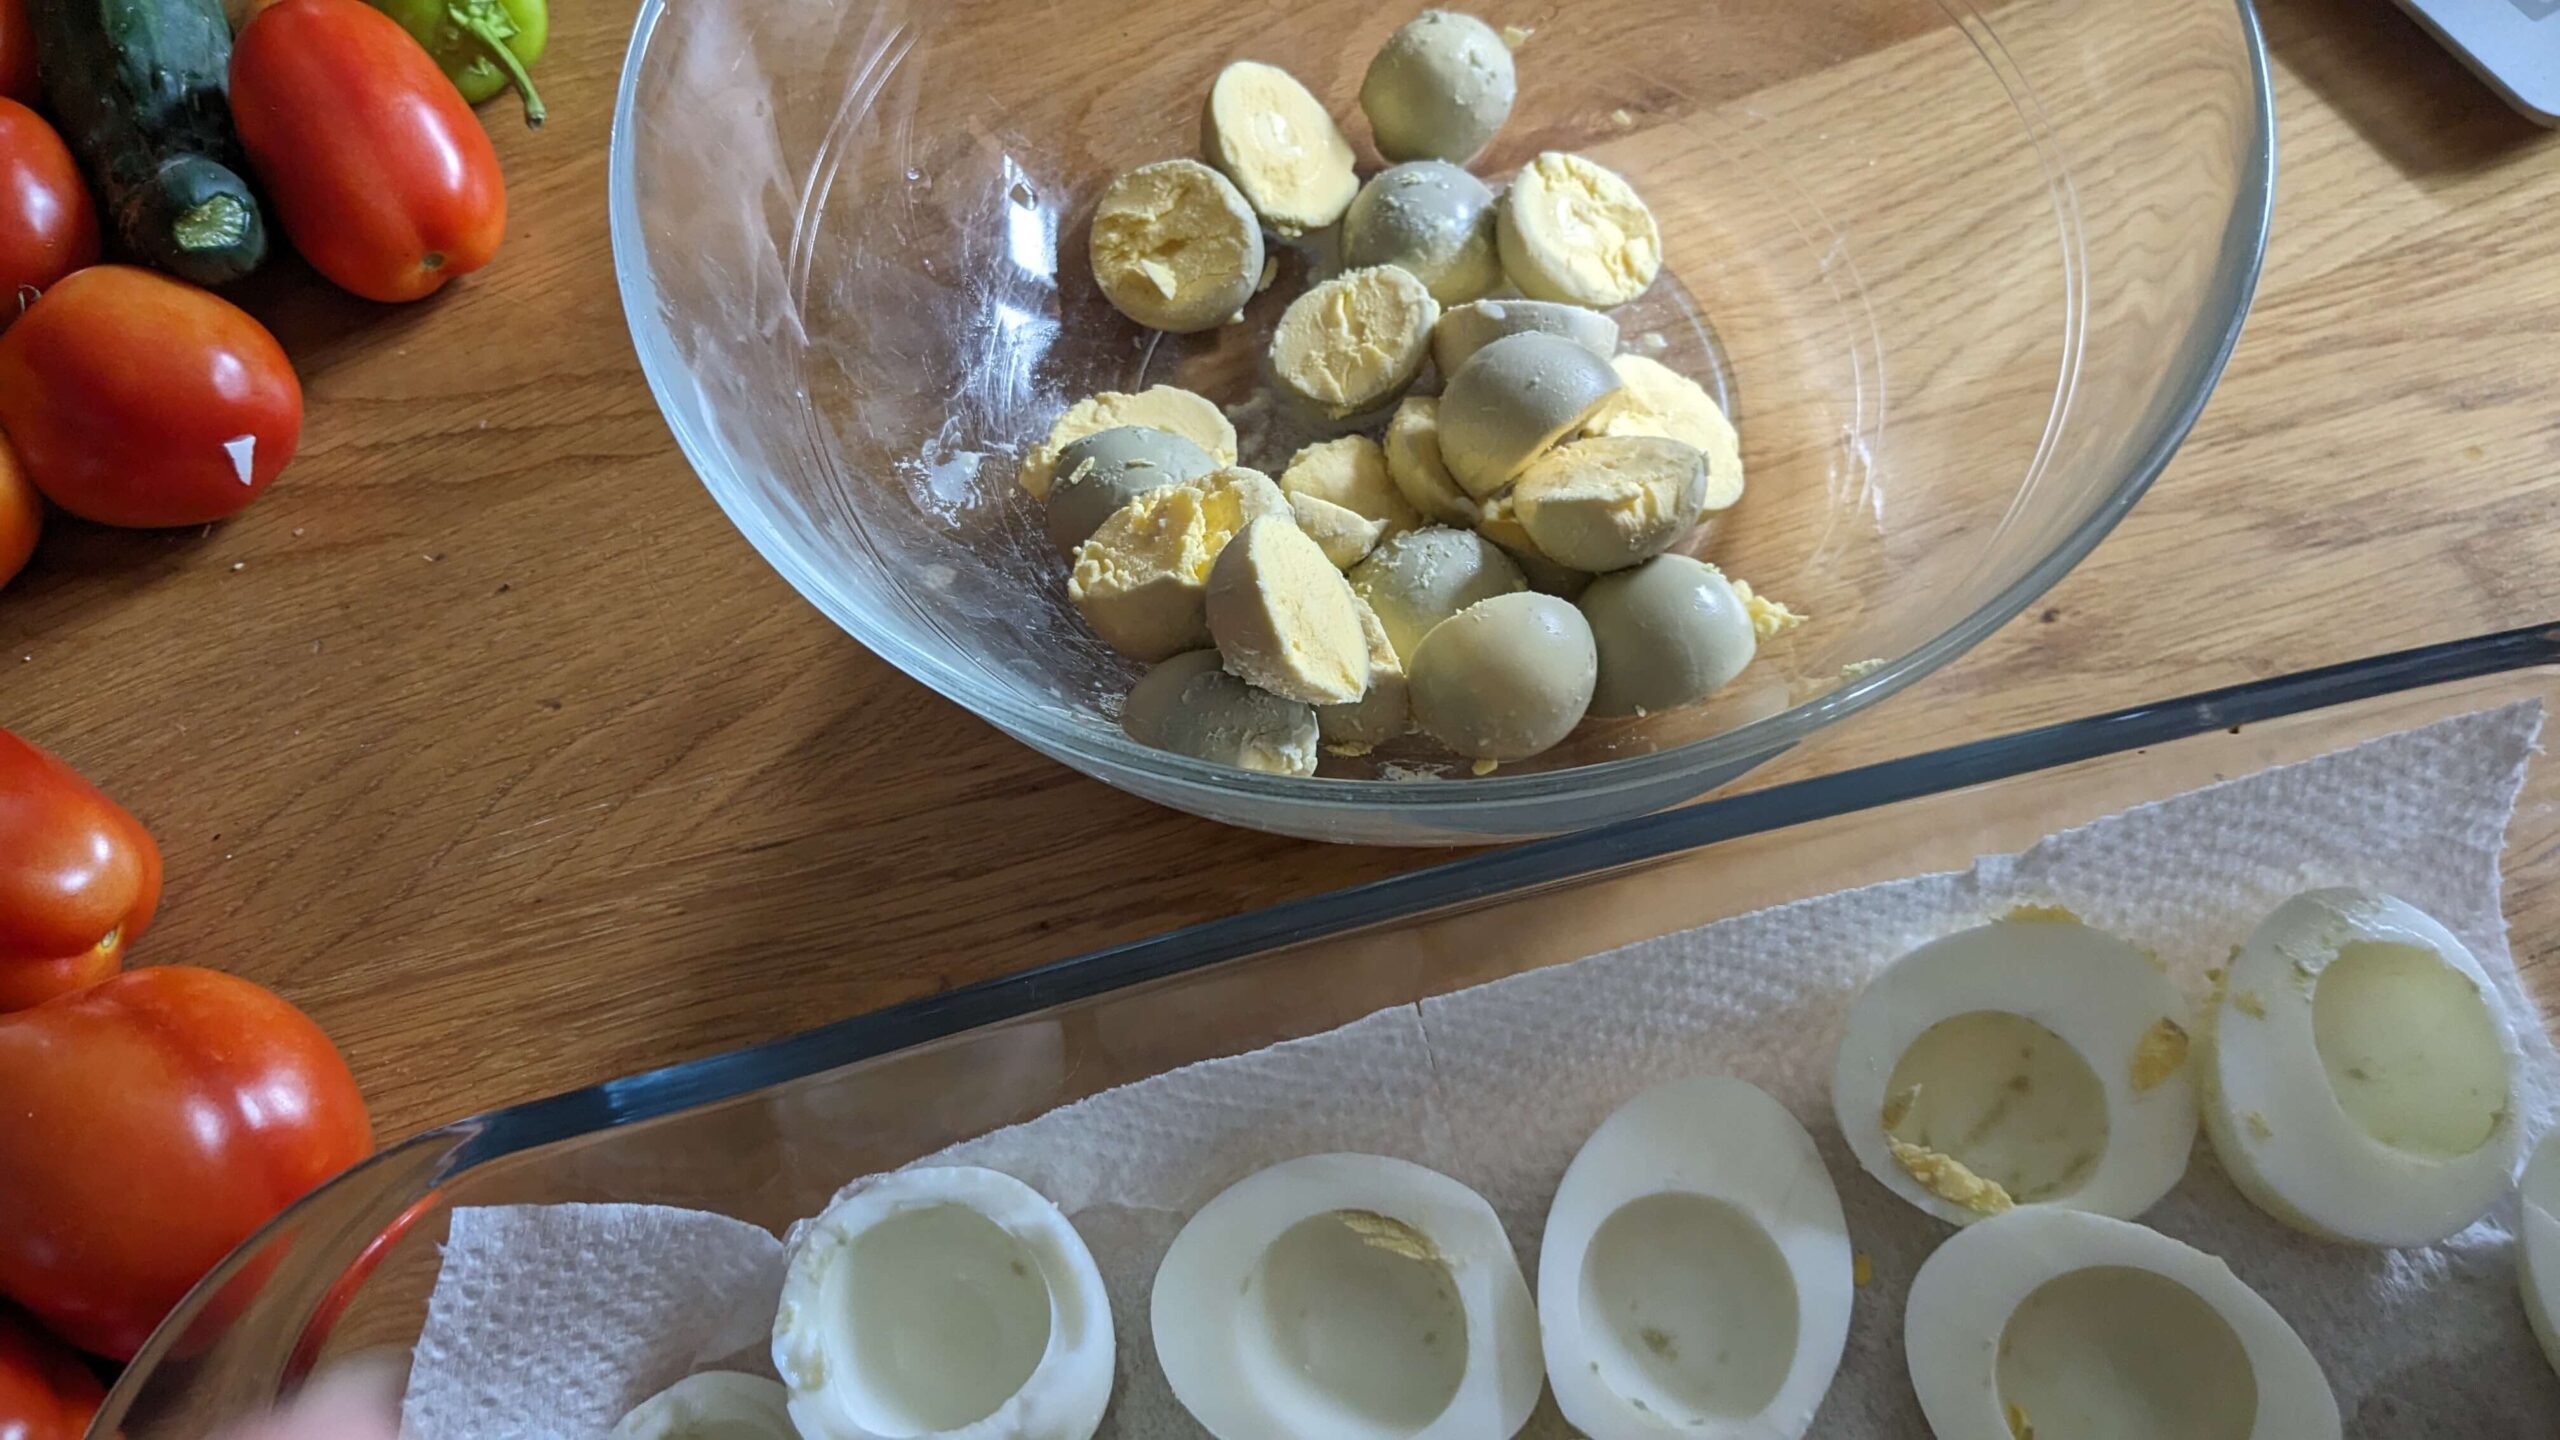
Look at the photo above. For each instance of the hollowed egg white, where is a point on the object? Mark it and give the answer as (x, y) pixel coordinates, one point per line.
(2029, 1061)
(2054, 1322)
(947, 1303)
(714, 1405)
(1349, 1297)
(2363, 1073)
(1695, 1279)
(2538, 1240)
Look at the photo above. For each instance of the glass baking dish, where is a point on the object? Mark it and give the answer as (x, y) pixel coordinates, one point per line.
(768, 1134)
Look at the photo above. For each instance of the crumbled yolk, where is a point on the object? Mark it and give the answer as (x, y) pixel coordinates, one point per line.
(1577, 232)
(1280, 147)
(2157, 1056)
(1949, 1179)
(1385, 1232)
(1769, 618)
(1354, 340)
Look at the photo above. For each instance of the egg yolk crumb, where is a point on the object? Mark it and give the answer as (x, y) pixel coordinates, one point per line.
(2157, 1056)
(1769, 618)
(1949, 1179)
(1385, 1232)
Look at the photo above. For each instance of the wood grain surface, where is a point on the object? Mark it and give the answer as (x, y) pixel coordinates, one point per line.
(489, 741)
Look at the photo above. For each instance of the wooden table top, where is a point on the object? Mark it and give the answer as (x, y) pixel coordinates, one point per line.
(489, 741)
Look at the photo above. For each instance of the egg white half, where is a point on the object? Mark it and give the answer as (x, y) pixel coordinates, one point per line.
(2045, 1058)
(2363, 1073)
(950, 1303)
(1695, 1279)
(714, 1405)
(2057, 1322)
(1352, 1297)
(2538, 1245)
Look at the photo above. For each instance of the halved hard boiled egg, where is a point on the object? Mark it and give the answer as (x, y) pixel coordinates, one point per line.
(2363, 1073)
(951, 1302)
(2538, 1241)
(2030, 1061)
(714, 1405)
(2054, 1322)
(1353, 1297)
(1696, 1277)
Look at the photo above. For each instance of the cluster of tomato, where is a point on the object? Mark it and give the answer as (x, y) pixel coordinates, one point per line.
(150, 1120)
(153, 1119)
(133, 398)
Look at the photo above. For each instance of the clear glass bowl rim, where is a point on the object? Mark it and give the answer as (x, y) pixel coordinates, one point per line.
(2191, 379)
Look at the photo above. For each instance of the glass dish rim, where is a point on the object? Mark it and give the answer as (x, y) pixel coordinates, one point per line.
(1107, 755)
(446, 1152)
(1472, 878)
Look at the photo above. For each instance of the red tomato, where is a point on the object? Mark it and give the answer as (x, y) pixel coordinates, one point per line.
(153, 1123)
(48, 228)
(17, 82)
(45, 1392)
(380, 173)
(79, 879)
(135, 399)
(21, 520)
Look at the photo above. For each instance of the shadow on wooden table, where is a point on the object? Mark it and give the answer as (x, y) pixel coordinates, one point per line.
(317, 322)
(58, 588)
(2408, 96)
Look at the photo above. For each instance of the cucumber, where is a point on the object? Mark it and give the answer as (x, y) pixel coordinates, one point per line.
(142, 92)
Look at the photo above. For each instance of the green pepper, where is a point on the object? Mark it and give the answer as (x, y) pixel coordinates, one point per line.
(484, 45)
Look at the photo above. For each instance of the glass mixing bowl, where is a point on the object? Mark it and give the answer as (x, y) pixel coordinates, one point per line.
(1964, 281)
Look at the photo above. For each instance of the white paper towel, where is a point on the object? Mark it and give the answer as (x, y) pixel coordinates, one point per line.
(548, 1322)
(1499, 1085)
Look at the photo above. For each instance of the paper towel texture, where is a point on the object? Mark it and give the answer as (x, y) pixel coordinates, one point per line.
(549, 1322)
(1499, 1085)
